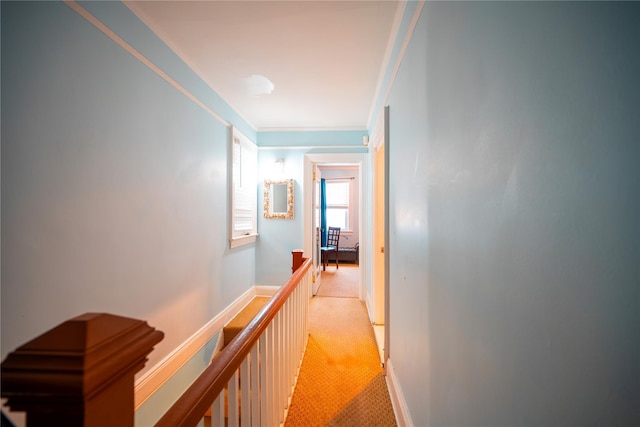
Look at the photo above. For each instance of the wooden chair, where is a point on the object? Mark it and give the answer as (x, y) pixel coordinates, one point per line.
(333, 237)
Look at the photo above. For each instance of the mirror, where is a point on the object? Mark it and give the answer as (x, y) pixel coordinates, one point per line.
(278, 199)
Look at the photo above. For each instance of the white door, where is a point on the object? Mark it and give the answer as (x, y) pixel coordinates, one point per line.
(380, 271)
(317, 261)
(378, 234)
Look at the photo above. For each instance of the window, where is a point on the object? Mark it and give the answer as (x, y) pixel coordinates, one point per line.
(244, 193)
(338, 204)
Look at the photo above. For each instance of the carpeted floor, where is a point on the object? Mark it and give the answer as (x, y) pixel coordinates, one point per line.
(341, 381)
(341, 282)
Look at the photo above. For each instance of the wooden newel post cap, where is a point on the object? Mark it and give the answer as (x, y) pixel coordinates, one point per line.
(80, 373)
(296, 259)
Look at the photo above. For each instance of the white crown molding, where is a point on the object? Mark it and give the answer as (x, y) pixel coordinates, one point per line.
(403, 417)
(312, 129)
(395, 28)
(310, 147)
(144, 18)
(140, 57)
(396, 66)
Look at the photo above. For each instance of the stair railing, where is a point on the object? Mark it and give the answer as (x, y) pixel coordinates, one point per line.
(256, 372)
(81, 373)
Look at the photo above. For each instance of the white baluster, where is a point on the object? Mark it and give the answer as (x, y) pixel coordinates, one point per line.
(264, 368)
(233, 415)
(217, 411)
(256, 370)
(245, 392)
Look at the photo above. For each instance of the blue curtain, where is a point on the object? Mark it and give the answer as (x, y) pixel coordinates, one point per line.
(323, 212)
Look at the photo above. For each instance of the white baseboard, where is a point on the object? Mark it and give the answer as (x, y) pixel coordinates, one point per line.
(369, 303)
(403, 417)
(147, 384)
(266, 291)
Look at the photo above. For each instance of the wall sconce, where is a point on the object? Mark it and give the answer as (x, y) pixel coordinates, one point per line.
(278, 166)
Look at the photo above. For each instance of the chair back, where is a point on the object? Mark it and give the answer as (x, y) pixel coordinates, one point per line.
(333, 236)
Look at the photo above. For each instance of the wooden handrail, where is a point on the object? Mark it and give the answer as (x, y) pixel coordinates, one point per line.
(198, 398)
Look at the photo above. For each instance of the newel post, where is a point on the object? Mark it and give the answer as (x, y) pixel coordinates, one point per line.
(80, 373)
(297, 259)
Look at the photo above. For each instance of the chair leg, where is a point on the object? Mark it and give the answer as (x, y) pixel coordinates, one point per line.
(337, 263)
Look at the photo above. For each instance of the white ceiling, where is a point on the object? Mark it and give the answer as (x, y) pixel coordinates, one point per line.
(324, 58)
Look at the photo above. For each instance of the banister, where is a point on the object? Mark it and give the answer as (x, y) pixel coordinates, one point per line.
(188, 410)
(80, 373)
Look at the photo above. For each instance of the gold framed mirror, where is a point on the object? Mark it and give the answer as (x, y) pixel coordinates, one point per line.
(278, 199)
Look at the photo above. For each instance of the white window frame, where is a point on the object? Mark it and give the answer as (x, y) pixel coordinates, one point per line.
(349, 205)
(243, 190)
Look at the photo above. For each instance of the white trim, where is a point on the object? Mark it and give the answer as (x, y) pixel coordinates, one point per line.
(142, 16)
(351, 168)
(236, 242)
(312, 129)
(396, 66)
(360, 159)
(266, 291)
(403, 417)
(407, 39)
(153, 379)
(309, 147)
(377, 135)
(369, 304)
(140, 57)
(395, 28)
(242, 166)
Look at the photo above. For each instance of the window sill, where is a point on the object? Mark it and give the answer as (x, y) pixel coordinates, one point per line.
(236, 242)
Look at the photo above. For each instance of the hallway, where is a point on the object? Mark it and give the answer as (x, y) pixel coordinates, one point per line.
(341, 381)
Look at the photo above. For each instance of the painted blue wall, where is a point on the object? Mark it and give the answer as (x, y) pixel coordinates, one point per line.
(114, 184)
(157, 404)
(278, 237)
(311, 138)
(515, 206)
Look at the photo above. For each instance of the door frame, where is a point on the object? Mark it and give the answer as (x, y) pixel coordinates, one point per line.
(378, 233)
(381, 139)
(362, 160)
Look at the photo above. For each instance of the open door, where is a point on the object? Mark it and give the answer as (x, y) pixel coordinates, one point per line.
(378, 234)
(317, 261)
(380, 257)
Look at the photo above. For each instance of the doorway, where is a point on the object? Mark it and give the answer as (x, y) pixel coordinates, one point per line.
(357, 161)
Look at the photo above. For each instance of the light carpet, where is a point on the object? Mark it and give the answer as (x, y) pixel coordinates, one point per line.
(341, 381)
(340, 282)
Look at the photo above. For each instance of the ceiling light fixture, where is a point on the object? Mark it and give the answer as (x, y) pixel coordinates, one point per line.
(257, 85)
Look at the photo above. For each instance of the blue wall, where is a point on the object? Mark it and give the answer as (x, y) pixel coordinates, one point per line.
(114, 184)
(278, 237)
(515, 206)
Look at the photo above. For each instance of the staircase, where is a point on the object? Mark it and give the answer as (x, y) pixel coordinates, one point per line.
(242, 319)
